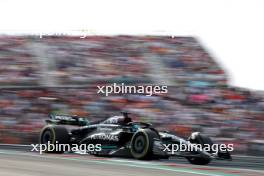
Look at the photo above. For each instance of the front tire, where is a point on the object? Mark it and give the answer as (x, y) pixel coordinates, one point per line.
(142, 144)
(199, 161)
(197, 138)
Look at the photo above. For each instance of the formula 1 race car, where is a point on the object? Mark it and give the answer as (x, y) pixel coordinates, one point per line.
(121, 137)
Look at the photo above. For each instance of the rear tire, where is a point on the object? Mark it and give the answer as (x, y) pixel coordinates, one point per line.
(142, 144)
(54, 135)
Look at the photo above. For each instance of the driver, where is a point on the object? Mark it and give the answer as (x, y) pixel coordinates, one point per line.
(126, 118)
(121, 120)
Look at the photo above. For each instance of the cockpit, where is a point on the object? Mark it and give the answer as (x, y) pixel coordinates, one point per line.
(119, 120)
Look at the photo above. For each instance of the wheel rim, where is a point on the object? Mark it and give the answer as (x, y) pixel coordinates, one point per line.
(139, 144)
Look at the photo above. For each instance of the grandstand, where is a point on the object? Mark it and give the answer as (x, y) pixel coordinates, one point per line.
(60, 75)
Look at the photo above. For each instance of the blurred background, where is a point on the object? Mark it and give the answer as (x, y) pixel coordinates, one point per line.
(61, 75)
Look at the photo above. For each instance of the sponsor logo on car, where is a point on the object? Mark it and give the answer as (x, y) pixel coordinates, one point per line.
(103, 136)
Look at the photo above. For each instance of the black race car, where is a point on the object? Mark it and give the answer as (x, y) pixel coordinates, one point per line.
(120, 136)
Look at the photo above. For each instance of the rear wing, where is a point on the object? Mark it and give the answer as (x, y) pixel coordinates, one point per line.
(67, 120)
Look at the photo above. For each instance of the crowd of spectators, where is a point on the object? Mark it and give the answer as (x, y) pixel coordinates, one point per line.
(98, 59)
(199, 98)
(17, 63)
(186, 61)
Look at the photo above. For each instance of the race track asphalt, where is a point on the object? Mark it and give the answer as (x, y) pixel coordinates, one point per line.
(24, 163)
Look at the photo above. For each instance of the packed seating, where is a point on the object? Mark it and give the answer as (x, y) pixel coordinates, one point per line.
(198, 99)
(18, 65)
